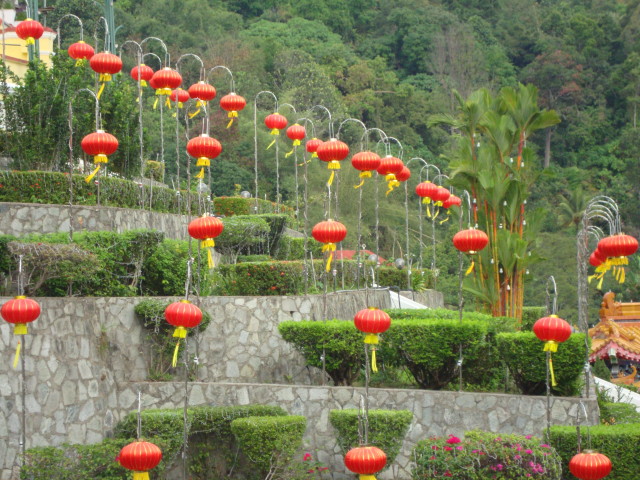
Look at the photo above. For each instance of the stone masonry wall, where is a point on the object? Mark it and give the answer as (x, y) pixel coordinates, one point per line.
(434, 412)
(23, 218)
(81, 349)
(86, 358)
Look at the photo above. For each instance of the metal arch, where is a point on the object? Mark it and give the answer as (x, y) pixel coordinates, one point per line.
(426, 167)
(401, 149)
(290, 106)
(322, 107)
(106, 33)
(255, 136)
(435, 179)
(350, 119)
(191, 55)
(167, 57)
(232, 82)
(365, 136)
(151, 54)
(79, 21)
(304, 121)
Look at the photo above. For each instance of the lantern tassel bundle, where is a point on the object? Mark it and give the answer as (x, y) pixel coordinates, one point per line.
(362, 176)
(392, 183)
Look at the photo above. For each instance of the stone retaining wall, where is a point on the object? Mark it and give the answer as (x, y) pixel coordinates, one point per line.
(23, 218)
(434, 413)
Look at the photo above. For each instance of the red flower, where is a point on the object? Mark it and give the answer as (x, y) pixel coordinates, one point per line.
(453, 440)
(274, 287)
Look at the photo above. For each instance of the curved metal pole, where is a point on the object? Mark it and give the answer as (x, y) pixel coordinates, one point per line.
(79, 21)
(400, 148)
(106, 33)
(552, 296)
(139, 82)
(355, 120)
(232, 84)
(167, 57)
(191, 55)
(255, 138)
(330, 121)
(420, 231)
(151, 54)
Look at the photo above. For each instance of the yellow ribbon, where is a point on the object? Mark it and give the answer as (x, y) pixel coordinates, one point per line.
(329, 247)
(174, 362)
(553, 377)
(288, 154)
(17, 356)
(550, 346)
(436, 215)
(180, 332)
(426, 200)
(372, 339)
(104, 77)
(203, 162)
(155, 103)
(100, 90)
(331, 177)
(334, 165)
(191, 115)
(271, 144)
(208, 244)
(428, 211)
(470, 269)
(391, 185)
(141, 475)
(201, 174)
(446, 218)
(362, 176)
(232, 114)
(92, 174)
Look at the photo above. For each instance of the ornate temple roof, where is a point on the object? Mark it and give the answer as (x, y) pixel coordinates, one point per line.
(622, 336)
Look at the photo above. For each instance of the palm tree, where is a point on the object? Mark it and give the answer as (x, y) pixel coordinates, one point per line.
(572, 207)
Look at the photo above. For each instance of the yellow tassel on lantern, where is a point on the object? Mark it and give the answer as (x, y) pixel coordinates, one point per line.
(550, 346)
(191, 115)
(470, 269)
(80, 62)
(92, 174)
(366, 477)
(288, 154)
(232, 114)
(141, 475)
(446, 218)
(271, 144)
(30, 41)
(208, 244)
(104, 77)
(362, 176)
(553, 377)
(426, 200)
(155, 103)
(17, 356)
(200, 174)
(329, 247)
(174, 362)
(203, 162)
(391, 184)
(100, 90)
(180, 332)
(436, 215)
(372, 339)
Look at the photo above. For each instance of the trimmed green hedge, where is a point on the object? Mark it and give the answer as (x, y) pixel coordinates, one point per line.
(53, 188)
(428, 348)
(387, 429)
(269, 442)
(531, 315)
(78, 462)
(618, 413)
(434, 313)
(283, 277)
(615, 441)
(486, 456)
(523, 354)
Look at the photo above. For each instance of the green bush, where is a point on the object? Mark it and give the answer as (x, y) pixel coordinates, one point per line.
(393, 277)
(292, 248)
(253, 258)
(269, 442)
(339, 341)
(243, 234)
(531, 315)
(53, 188)
(614, 441)
(434, 313)
(618, 413)
(212, 446)
(523, 354)
(159, 334)
(601, 370)
(485, 456)
(387, 429)
(76, 462)
(429, 348)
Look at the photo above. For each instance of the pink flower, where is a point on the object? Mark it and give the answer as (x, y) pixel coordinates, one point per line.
(544, 445)
(459, 447)
(448, 449)
(453, 440)
(307, 456)
(448, 474)
(434, 447)
(529, 451)
(517, 457)
(528, 437)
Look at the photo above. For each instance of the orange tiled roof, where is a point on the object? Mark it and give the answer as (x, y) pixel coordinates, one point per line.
(623, 337)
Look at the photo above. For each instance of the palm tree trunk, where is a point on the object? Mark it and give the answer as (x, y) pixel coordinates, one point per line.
(547, 148)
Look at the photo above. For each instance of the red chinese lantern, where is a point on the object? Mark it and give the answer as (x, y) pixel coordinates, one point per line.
(372, 321)
(140, 457)
(295, 132)
(182, 315)
(80, 51)
(179, 95)
(205, 229)
(333, 151)
(165, 80)
(143, 74)
(470, 241)
(312, 146)
(452, 201)
(366, 162)
(203, 91)
(365, 461)
(590, 465)
(440, 195)
(99, 144)
(329, 232)
(618, 247)
(275, 122)
(204, 148)
(552, 330)
(404, 175)
(390, 166)
(232, 103)
(20, 311)
(426, 190)
(29, 30)
(596, 259)
(105, 64)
